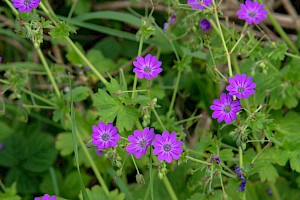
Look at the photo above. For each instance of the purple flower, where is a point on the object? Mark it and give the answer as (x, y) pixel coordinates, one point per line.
(99, 152)
(252, 12)
(105, 136)
(204, 25)
(140, 141)
(2, 146)
(25, 5)
(148, 67)
(198, 4)
(225, 108)
(241, 86)
(167, 147)
(45, 197)
(172, 19)
(242, 185)
(241, 176)
(0, 59)
(216, 158)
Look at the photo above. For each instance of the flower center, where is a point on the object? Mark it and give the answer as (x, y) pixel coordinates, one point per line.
(252, 14)
(142, 143)
(241, 89)
(147, 69)
(27, 2)
(167, 147)
(105, 137)
(200, 1)
(227, 109)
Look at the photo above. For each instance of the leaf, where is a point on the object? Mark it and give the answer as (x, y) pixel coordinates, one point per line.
(111, 108)
(101, 63)
(61, 30)
(35, 153)
(268, 172)
(295, 160)
(79, 94)
(63, 144)
(289, 124)
(10, 193)
(97, 193)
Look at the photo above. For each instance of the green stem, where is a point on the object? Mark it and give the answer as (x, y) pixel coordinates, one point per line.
(222, 38)
(49, 13)
(188, 119)
(87, 62)
(151, 177)
(137, 169)
(158, 119)
(38, 97)
(260, 152)
(223, 189)
(292, 55)
(12, 8)
(235, 63)
(169, 188)
(2, 186)
(275, 191)
(241, 157)
(281, 32)
(198, 161)
(39, 107)
(175, 92)
(243, 197)
(72, 9)
(45, 64)
(93, 165)
(54, 181)
(135, 77)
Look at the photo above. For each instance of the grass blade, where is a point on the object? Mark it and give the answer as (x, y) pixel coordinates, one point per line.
(73, 122)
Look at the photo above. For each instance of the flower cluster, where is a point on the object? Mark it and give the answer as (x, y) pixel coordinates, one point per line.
(252, 12)
(25, 5)
(46, 197)
(166, 146)
(241, 176)
(226, 108)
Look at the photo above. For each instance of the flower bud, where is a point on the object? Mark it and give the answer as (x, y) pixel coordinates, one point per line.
(118, 173)
(140, 179)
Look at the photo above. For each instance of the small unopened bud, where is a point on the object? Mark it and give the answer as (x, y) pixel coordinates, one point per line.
(119, 164)
(140, 179)
(118, 173)
(160, 175)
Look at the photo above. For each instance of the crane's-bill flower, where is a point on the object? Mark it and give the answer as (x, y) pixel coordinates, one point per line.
(225, 108)
(45, 197)
(167, 147)
(105, 135)
(205, 25)
(171, 21)
(140, 141)
(252, 12)
(25, 5)
(241, 86)
(148, 67)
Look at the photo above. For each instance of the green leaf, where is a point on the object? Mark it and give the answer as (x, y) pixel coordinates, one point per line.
(63, 144)
(102, 63)
(268, 172)
(112, 108)
(295, 160)
(97, 193)
(289, 124)
(10, 193)
(61, 30)
(79, 94)
(35, 152)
